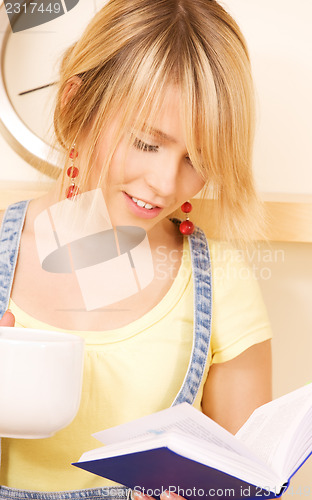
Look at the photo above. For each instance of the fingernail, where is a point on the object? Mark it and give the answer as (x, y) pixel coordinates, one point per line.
(137, 495)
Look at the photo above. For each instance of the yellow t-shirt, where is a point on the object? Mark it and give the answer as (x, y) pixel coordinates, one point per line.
(138, 369)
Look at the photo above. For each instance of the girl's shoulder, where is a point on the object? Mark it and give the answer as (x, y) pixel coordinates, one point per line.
(1, 216)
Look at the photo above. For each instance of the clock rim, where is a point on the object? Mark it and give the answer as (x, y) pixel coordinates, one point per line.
(23, 141)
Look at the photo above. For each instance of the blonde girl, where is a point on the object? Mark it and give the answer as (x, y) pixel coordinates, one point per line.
(154, 105)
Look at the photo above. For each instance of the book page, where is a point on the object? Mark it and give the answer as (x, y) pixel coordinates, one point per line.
(271, 428)
(181, 418)
(190, 427)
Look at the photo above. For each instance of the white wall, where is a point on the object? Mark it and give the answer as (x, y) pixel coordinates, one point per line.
(279, 37)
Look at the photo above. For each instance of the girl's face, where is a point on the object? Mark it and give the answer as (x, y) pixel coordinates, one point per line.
(155, 176)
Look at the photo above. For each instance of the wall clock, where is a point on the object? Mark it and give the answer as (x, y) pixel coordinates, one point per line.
(29, 62)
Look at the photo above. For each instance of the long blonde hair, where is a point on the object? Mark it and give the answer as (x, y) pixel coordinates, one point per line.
(129, 53)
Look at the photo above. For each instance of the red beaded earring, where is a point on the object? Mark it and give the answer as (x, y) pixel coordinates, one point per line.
(72, 173)
(187, 227)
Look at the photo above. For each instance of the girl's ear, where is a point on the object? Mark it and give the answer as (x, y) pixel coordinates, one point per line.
(70, 90)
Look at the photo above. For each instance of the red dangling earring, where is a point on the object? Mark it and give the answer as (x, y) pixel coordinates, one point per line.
(72, 172)
(187, 227)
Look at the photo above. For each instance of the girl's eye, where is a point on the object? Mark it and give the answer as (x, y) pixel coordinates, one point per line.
(143, 146)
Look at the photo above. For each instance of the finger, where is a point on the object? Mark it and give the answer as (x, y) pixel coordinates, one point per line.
(8, 319)
(167, 495)
(137, 495)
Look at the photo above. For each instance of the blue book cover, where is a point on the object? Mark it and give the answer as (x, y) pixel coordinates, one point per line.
(157, 470)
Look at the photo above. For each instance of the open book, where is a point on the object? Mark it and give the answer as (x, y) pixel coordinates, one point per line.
(182, 450)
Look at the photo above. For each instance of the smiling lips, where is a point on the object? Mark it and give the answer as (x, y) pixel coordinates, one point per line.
(142, 204)
(142, 208)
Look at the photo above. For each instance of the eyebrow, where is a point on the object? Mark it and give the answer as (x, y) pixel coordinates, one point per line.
(160, 133)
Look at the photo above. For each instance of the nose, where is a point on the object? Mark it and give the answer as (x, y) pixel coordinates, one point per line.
(163, 179)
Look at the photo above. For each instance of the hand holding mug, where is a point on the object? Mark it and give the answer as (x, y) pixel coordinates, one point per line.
(7, 319)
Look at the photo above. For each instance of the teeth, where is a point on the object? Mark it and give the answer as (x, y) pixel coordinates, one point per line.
(142, 204)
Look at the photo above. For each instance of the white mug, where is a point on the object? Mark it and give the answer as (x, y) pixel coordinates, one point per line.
(40, 381)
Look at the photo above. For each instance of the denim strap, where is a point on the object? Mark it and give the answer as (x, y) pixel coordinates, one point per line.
(106, 493)
(10, 235)
(201, 268)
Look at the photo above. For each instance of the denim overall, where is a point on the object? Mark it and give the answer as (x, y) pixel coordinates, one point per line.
(9, 244)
